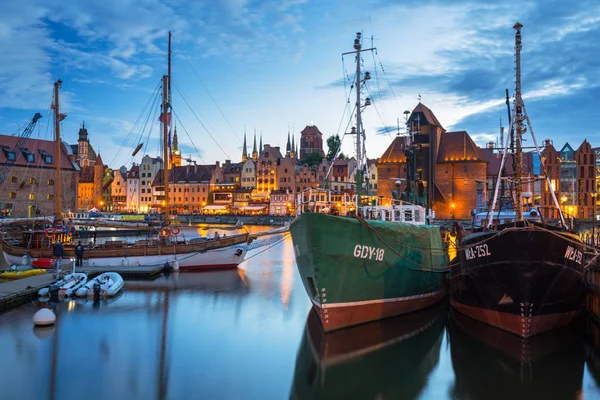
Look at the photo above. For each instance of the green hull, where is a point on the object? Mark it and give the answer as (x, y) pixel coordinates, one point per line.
(388, 359)
(356, 272)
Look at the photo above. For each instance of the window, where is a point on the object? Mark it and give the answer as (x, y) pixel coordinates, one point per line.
(12, 195)
(32, 180)
(31, 196)
(13, 179)
(49, 197)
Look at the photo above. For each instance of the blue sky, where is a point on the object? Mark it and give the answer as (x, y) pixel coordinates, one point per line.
(276, 66)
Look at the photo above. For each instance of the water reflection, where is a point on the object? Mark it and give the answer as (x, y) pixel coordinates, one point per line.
(493, 364)
(391, 358)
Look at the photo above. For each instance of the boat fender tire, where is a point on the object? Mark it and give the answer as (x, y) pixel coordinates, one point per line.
(175, 231)
(49, 232)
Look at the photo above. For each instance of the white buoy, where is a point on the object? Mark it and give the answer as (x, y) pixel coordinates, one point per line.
(44, 317)
(175, 265)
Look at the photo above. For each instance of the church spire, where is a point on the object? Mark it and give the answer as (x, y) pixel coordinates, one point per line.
(244, 150)
(288, 147)
(254, 152)
(293, 148)
(260, 148)
(175, 144)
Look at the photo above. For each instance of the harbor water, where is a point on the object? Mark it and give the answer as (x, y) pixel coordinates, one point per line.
(249, 333)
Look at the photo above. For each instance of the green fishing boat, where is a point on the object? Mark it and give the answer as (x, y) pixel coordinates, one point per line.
(379, 260)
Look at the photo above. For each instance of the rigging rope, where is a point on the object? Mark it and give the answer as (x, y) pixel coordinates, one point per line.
(201, 123)
(209, 94)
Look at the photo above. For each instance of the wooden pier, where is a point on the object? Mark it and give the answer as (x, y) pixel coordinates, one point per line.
(20, 291)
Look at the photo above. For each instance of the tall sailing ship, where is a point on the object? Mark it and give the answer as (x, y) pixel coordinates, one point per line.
(227, 252)
(519, 273)
(385, 260)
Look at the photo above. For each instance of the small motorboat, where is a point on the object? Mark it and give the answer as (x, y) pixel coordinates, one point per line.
(64, 287)
(21, 271)
(107, 284)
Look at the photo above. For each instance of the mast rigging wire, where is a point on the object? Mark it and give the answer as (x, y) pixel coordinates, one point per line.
(209, 94)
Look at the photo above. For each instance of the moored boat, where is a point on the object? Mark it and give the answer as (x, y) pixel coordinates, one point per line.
(64, 287)
(516, 272)
(226, 252)
(21, 271)
(107, 284)
(382, 261)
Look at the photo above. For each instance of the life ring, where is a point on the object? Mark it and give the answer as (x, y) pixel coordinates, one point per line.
(175, 231)
(49, 232)
(166, 232)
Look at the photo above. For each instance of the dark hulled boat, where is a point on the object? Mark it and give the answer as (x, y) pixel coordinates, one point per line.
(490, 363)
(524, 277)
(516, 273)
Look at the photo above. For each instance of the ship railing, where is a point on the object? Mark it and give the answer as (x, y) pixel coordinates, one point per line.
(406, 213)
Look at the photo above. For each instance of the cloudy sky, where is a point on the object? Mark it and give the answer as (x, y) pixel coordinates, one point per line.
(276, 66)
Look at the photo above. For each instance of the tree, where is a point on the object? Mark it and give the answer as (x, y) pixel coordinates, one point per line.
(333, 144)
(312, 159)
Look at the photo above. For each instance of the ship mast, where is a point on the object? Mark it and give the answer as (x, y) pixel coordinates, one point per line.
(519, 130)
(359, 131)
(57, 184)
(519, 117)
(165, 123)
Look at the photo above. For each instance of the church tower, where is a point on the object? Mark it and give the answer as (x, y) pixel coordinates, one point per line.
(83, 147)
(293, 152)
(311, 141)
(176, 157)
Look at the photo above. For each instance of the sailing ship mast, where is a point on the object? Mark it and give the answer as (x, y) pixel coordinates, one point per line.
(57, 118)
(519, 117)
(165, 123)
(359, 131)
(519, 127)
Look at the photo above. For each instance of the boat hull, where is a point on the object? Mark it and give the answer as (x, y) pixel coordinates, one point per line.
(355, 272)
(522, 280)
(229, 253)
(393, 357)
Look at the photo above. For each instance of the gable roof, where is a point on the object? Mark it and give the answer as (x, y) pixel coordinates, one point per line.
(395, 151)
(311, 130)
(429, 115)
(457, 146)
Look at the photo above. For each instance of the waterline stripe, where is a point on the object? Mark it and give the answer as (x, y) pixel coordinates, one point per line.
(367, 302)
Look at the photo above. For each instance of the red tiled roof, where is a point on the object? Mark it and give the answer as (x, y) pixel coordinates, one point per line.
(457, 146)
(429, 116)
(311, 130)
(394, 153)
(86, 175)
(38, 148)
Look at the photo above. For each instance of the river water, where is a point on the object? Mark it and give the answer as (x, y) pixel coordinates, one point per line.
(249, 334)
